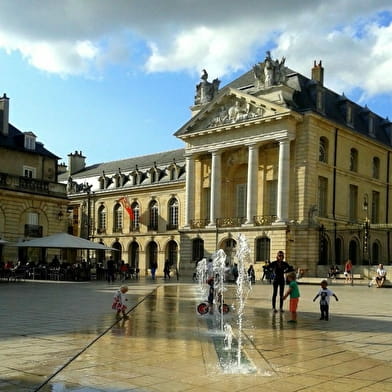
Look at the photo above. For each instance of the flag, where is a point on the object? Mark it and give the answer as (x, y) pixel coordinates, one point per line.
(127, 207)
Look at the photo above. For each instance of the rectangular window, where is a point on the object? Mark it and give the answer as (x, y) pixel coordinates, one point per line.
(32, 218)
(29, 172)
(29, 142)
(353, 206)
(272, 197)
(322, 196)
(375, 207)
(241, 201)
(349, 115)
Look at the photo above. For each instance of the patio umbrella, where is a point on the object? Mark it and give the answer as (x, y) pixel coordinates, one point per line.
(62, 241)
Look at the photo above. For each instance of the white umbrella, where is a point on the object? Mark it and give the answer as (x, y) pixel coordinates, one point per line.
(62, 241)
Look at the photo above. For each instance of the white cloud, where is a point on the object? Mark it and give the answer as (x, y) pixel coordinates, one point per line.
(73, 37)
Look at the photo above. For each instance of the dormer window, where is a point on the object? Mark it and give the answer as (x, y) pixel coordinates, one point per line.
(29, 141)
(372, 132)
(349, 115)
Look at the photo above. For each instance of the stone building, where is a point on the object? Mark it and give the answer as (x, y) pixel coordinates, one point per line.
(132, 205)
(32, 202)
(274, 155)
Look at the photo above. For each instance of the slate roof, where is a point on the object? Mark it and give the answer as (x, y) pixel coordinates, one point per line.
(15, 141)
(304, 101)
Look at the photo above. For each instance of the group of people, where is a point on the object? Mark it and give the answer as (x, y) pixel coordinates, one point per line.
(282, 271)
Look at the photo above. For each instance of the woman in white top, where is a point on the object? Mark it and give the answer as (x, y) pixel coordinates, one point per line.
(381, 273)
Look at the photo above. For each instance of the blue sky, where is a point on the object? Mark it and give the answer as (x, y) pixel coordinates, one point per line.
(116, 79)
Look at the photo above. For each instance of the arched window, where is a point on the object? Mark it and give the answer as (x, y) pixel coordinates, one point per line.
(263, 249)
(135, 224)
(152, 253)
(375, 258)
(117, 218)
(101, 219)
(197, 249)
(173, 214)
(153, 209)
(172, 252)
(323, 150)
(376, 167)
(353, 160)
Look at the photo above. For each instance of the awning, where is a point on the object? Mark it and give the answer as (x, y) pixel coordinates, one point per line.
(62, 241)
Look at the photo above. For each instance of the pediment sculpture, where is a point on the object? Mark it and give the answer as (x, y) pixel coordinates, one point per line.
(270, 72)
(236, 111)
(205, 90)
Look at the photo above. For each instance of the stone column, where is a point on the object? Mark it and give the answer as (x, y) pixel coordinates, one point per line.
(189, 190)
(252, 186)
(215, 187)
(283, 181)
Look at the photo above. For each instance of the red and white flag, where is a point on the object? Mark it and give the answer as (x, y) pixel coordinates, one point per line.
(127, 207)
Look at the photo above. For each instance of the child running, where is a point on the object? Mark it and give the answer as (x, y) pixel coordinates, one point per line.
(293, 292)
(324, 293)
(119, 302)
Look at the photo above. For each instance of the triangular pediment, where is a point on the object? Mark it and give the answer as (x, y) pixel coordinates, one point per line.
(231, 107)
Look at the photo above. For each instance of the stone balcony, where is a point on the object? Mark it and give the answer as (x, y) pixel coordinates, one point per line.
(31, 185)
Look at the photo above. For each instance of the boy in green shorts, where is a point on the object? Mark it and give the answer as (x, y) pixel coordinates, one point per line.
(293, 291)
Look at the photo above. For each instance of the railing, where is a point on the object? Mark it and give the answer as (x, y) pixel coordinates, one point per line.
(152, 227)
(134, 228)
(230, 221)
(101, 230)
(199, 223)
(32, 230)
(264, 220)
(171, 226)
(3, 179)
(117, 230)
(31, 185)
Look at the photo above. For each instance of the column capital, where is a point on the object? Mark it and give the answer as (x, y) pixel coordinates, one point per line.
(215, 151)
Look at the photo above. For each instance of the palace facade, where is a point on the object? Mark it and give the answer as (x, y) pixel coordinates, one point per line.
(274, 155)
(32, 202)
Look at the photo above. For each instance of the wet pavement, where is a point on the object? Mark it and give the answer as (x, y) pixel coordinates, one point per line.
(63, 337)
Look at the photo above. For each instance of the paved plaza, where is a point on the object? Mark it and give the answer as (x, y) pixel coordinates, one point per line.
(63, 337)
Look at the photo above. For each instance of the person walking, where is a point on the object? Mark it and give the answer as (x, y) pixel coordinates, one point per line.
(166, 269)
(324, 293)
(111, 270)
(278, 268)
(153, 268)
(348, 272)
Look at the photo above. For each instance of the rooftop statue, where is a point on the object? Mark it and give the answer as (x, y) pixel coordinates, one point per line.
(270, 72)
(205, 90)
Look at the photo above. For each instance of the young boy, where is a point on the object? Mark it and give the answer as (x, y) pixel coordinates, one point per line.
(119, 302)
(293, 291)
(324, 293)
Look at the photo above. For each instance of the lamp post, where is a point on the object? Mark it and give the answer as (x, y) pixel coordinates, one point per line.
(366, 227)
(87, 189)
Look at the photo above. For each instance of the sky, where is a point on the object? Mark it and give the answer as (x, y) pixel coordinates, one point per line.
(115, 79)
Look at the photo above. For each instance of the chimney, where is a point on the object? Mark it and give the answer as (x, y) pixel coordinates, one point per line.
(318, 72)
(4, 114)
(76, 162)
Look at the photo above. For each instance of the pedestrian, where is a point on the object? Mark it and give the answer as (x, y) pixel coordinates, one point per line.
(278, 268)
(324, 293)
(119, 300)
(166, 269)
(251, 274)
(111, 270)
(153, 268)
(293, 292)
(348, 272)
(123, 271)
